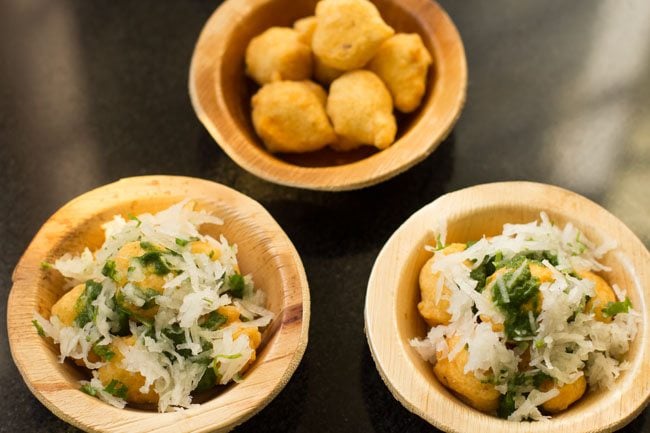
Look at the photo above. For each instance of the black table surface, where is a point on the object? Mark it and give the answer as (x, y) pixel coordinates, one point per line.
(93, 91)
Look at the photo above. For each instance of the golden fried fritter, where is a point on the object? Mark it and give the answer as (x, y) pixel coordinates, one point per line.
(290, 116)
(402, 63)
(305, 28)
(569, 394)
(480, 395)
(348, 33)
(435, 313)
(278, 54)
(604, 294)
(361, 109)
(114, 370)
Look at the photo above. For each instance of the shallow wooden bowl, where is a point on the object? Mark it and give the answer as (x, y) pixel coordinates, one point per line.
(265, 251)
(392, 318)
(221, 94)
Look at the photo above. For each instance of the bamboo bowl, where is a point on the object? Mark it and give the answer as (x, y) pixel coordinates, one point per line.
(221, 93)
(264, 250)
(392, 319)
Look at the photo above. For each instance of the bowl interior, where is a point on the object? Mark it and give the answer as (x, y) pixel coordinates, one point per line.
(238, 89)
(263, 251)
(220, 94)
(393, 291)
(89, 234)
(488, 221)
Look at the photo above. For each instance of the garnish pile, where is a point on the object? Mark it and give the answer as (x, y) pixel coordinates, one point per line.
(158, 312)
(521, 323)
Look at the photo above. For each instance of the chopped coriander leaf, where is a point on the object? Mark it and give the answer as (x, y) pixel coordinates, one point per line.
(46, 265)
(172, 252)
(86, 311)
(154, 260)
(236, 285)
(150, 332)
(116, 388)
(516, 260)
(439, 244)
(208, 380)
(519, 284)
(134, 218)
(521, 288)
(39, 328)
(176, 334)
(235, 356)
(581, 246)
(206, 346)
(482, 271)
(181, 242)
(540, 378)
(121, 325)
(109, 270)
(506, 404)
(148, 295)
(147, 246)
(123, 307)
(103, 351)
(214, 321)
(498, 257)
(519, 380)
(88, 389)
(613, 308)
(205, 357)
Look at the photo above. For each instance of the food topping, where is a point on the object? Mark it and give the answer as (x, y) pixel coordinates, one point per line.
(158, 312)
(525, 321)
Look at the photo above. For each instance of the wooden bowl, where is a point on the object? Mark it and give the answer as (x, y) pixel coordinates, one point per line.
(265, 251)
(392, 318)
(221, 94)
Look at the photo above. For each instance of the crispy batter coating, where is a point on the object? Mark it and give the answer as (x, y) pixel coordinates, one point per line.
(318, 91)
(230, 312)
(151, 284)
(569, 394)
(324, 74)
(254, 340)
(290, 116)
(349, 33)
(402, 63)
(114, 370)
(435, 313)
(64, 308)
(278, 54)
(479, 395)
(361, 109)
(305, 28)
(201, 247)
(604, 294)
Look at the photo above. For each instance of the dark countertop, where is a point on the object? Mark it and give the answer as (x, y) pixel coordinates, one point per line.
(559, 92)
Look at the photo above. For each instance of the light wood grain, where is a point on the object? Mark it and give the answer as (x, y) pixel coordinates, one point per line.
(392, 318)
(221, 93)
(264, 251)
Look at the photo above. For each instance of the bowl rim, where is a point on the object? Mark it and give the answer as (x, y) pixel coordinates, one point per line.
(284, 350)
(431, 127)
(389, 351)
